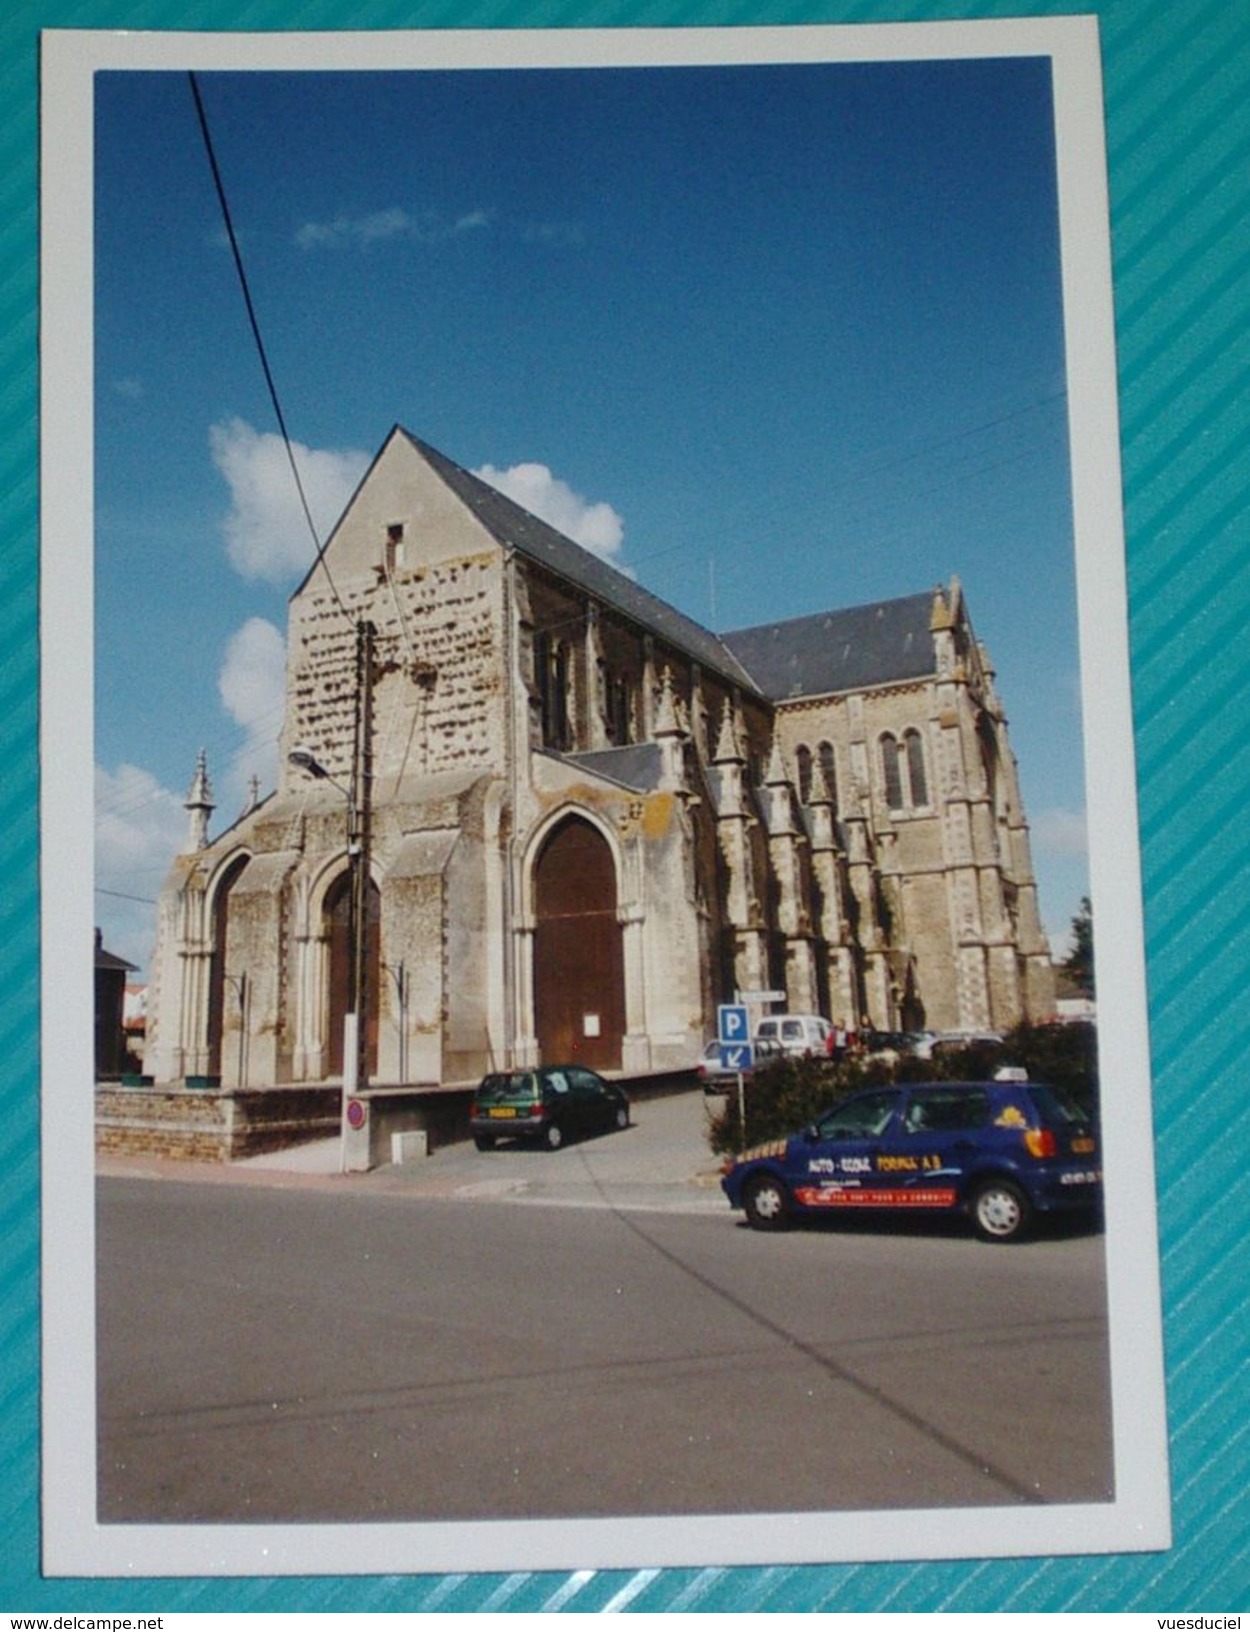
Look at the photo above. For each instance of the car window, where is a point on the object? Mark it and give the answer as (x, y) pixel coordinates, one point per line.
(767, 1028)
(947, 1110)
(586, 1084)
(858, 1118)
(507, 1085)
(792, 1028)
(558, 1081)
(1056, 1108)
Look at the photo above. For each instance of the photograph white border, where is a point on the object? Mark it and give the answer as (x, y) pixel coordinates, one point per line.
(74, 1542)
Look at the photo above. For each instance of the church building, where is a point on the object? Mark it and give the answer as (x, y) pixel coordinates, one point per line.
(578, 820)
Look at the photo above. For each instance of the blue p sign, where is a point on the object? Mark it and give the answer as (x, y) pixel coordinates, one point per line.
(731, 1023)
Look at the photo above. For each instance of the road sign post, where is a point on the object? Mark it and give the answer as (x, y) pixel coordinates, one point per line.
(733, 1032)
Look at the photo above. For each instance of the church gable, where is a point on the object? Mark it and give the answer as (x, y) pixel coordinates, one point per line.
(403, 516)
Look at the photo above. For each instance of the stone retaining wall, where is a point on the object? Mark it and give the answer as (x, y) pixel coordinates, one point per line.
(211, 1125)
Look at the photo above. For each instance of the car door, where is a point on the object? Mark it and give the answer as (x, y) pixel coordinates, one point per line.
(933, 1143)
(589, 1100)
(841, 1156)
(561, 1104)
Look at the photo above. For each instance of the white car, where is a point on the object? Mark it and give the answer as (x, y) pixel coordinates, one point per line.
(799, 1034)
(947, 1041)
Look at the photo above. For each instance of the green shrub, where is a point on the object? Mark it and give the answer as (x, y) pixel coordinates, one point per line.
(786, 1095)
(1066, 1056)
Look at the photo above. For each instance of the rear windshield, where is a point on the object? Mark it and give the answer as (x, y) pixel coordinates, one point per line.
(508, 1085)
(1056, 1109)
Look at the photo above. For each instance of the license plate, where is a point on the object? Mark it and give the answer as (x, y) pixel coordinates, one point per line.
(502, 1110)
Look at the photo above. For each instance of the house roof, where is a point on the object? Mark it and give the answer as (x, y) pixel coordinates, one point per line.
(874, 645)
(513, 526)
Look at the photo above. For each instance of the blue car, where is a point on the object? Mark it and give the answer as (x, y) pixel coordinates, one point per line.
(1001, 1152)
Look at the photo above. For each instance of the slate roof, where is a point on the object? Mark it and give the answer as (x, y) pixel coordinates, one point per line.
(847, 650)
(635, 766)
(514, 526)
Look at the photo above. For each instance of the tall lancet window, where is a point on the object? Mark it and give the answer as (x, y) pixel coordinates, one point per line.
(917, 780)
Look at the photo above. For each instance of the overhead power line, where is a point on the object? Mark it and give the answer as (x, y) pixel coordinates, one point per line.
(256, 335)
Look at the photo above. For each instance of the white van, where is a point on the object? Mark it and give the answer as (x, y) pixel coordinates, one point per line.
(798, 1034)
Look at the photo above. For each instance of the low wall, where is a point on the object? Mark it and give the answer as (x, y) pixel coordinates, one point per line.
(211, 1124)
(442, 1114)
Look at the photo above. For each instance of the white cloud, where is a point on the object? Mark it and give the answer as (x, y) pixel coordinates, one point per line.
(140, 827)
(252, 686)
(266, 531)
(388, 226)
(596, 527)
(1059, 833)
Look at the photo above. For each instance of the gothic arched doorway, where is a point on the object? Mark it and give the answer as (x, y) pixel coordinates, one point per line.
(579, 971)
(338, 910)
(218, 973)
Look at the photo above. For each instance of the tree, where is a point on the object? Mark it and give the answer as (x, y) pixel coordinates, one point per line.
(1079, 963)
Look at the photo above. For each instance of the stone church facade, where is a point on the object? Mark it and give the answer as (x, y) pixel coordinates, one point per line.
(590, 820)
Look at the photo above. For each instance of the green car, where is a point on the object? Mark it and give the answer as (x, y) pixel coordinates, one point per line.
(548, 1105)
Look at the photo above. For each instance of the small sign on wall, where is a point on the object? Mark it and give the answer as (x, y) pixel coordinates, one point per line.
(590, 1025)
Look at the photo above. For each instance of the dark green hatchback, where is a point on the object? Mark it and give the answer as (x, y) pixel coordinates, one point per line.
(547, 1105)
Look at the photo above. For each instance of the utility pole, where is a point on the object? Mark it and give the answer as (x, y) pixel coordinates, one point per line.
(360, 813)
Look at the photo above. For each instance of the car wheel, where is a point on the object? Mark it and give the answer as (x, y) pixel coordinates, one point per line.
(1000, 1211)
(553, 1136)
(766, 1203)
(483, 1141)
(621, 1120)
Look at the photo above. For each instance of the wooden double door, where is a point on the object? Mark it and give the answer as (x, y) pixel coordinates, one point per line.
(579, 978)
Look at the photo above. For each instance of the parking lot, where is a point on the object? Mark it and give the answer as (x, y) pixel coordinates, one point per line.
(661, 1162)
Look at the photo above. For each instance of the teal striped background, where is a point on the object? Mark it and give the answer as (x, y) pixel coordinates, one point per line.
(1179, 143)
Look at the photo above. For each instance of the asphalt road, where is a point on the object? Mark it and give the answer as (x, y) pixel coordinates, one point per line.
(582, 1333)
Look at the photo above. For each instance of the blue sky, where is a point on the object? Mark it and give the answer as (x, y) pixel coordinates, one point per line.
(773, 338)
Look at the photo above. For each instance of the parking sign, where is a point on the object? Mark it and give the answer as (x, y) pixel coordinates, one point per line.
(731, 1023)
(736, 1056)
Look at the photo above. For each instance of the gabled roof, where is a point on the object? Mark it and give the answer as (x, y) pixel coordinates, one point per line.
(859, 646)
(514, 527)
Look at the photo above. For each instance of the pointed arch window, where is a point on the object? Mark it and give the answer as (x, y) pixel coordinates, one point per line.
(891, 772)
(620, 710)
(904, 775)
(551, 665)
(803, 763)
(829, 768)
